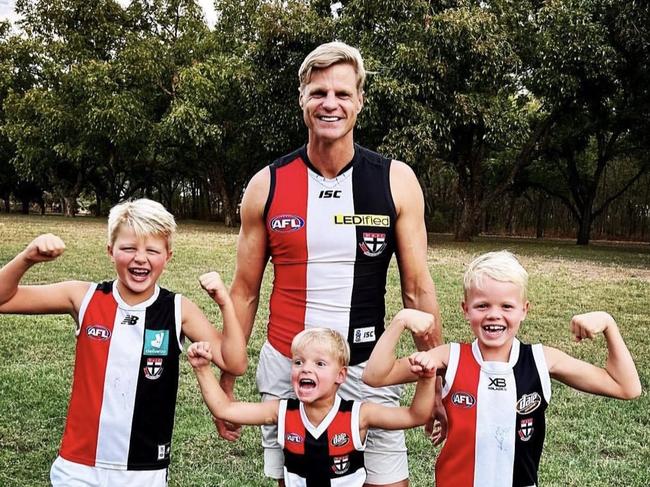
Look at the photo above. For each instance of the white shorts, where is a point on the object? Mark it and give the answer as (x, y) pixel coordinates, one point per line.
(70, 474)
(385, 454)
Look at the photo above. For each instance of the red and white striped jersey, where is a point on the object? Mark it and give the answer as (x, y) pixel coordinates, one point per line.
(121, 411)
(330, 454)
(330, 242)
(495, 413)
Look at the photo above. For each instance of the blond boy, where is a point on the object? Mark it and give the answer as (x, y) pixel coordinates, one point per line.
(497, 388)
(322, 436)
(129, 338)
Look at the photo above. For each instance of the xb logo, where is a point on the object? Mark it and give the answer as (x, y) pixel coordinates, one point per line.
(330, 193)
(497, 383)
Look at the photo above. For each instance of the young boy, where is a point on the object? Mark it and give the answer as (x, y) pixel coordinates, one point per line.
(323, 436)
(129, 337)
(497, 388)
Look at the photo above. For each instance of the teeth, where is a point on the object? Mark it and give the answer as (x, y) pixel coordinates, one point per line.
(494, 328)
(329, 119)
(307, 382)
(139, 272)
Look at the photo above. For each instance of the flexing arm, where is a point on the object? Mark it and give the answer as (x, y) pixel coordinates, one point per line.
(383, 368)
(59, 298)
(220, 405)
(419, 412)
(418, 290)
(618, 379)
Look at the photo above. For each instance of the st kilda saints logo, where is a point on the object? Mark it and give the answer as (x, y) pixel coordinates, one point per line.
(373, 243)
(153, 369)
(340, 465)
(463, 399)
(286, 223)
(526, 429)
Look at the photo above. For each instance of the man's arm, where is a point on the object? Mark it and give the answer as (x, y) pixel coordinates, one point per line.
(418, 290)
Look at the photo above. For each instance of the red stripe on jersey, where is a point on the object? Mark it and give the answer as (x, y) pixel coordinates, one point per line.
(339, 434)
(294, 432)
(79, 442)
(286, 226)
(455, 464)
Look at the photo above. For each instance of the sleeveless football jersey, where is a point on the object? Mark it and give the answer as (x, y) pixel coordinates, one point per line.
(328, 455)
(330, 242)
(123, 400)
(495, 414)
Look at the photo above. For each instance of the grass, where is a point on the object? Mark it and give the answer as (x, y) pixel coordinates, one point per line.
(590, 440)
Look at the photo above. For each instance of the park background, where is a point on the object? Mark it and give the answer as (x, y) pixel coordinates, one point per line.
(520, 118)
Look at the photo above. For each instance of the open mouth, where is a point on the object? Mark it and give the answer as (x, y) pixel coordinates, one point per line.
(139, 272)
(494, 330)
(306, 384)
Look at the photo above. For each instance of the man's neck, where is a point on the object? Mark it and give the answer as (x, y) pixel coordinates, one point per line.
(329, 159)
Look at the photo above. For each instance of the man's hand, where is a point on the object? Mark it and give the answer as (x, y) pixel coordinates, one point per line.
(214, 286)
(227, 430)
(43, 248)
(436, 427)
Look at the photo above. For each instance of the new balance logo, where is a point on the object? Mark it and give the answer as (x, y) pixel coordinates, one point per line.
(130, 320)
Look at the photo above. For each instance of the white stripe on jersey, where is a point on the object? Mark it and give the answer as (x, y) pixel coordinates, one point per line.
(120, 384)
(356, 479)
(495, 435)
(331, 254)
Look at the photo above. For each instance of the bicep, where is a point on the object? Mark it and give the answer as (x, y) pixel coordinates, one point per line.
(197, 328)
(252, 413)
(375, 415)
(60, 298)
(578, 374)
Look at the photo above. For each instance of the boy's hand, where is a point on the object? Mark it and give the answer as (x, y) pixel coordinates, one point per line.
(214, 286)
(43, 248)
(199, 354)
(588, 325)
(422, 364)
(417, 322)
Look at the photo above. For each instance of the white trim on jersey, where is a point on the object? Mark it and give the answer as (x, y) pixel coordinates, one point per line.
(84, 306)
(178, 318)
(316, 431)
(542, 370)
(282, 413)
(140, 306)
(452, 367)
(330, 261)
(356, 434)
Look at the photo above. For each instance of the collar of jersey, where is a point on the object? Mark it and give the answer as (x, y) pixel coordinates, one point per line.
(342, 172)
(124, 305)
(496, 367)
(316, 431)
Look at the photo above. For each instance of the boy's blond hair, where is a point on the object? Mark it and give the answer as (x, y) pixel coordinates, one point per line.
(332, 339)
(328, 54)
(501, 266)
(145, 217)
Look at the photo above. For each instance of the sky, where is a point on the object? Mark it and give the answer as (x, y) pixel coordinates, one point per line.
(7, 10)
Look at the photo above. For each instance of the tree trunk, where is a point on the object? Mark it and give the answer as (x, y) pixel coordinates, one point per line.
(584, 227)
(70, 206)
(7, 201)
(24, 207)
(540, 217)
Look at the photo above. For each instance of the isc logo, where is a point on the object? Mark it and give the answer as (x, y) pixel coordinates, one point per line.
(330, 193)
(463, 399)
(287, 223)
(98, 332)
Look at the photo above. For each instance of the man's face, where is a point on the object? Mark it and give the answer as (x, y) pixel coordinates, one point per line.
(330, 103)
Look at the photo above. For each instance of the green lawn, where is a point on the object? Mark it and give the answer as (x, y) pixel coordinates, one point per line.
(591, 441)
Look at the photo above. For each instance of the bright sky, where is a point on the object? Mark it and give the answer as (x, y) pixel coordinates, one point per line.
(7, 9)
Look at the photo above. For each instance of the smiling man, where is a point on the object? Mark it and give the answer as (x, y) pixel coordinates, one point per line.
(330, 215)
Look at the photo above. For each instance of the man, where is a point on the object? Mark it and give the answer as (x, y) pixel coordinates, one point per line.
(330, 215)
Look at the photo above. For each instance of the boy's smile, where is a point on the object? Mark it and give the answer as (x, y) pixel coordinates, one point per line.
(316, 374)
(139, 262)
(495, 312)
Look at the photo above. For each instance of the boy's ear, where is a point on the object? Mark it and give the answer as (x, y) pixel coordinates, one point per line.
(526, 308)
(463, 306)
(342, 375)
(169, 256)
(109, 251)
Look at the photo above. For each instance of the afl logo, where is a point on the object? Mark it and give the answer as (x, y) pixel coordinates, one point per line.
(287, 223)
(294, 438)
(463, 399)
(98, 332)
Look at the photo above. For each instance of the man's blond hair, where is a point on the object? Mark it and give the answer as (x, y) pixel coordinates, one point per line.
(145, 217)
(331, 339)
(329, 54)
(501, 266)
